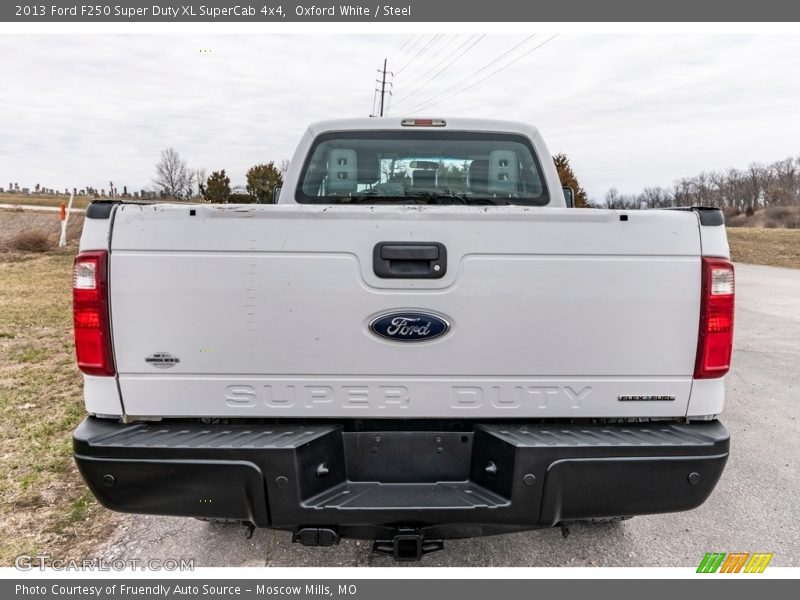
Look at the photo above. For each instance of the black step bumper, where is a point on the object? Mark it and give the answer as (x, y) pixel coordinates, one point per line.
(490, 479)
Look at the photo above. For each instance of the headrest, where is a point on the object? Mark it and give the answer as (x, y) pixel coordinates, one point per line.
(503, 172)
(342, 171)
(368, 167)
(478, 176)
(423, 179)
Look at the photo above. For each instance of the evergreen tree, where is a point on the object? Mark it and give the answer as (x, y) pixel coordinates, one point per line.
(568, 179)
(262, 180)
(217, 188)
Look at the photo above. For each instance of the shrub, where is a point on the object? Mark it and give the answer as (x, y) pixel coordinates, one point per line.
(792, 221)
(240, 198)
(737, 221)
(779, 213)
(787, 217)
(30, 241)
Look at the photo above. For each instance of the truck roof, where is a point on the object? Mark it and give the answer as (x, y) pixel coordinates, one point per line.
(395, 123)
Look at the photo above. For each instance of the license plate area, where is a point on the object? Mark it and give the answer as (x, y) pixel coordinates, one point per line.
(408, 456)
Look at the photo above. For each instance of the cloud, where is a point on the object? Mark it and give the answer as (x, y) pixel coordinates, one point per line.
(629, 110)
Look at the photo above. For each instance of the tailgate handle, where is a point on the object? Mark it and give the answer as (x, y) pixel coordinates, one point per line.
(409, 252)
(409, 260)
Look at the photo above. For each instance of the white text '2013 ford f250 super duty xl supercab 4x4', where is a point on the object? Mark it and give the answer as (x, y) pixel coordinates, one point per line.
(420, 341)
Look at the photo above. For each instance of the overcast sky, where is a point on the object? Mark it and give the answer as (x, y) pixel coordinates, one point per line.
(630, 111)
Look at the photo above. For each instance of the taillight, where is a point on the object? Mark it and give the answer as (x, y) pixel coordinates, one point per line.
(715, 342)
(90, 313)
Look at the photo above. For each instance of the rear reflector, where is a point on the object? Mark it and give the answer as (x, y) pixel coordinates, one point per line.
(423, 122)
(715, 340)
(90, 313)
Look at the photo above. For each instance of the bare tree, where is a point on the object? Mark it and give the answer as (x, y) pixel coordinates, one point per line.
(173, 176)
(759, 186)
(785, 188)
(612, 198)
(655, 197)
(199, 180)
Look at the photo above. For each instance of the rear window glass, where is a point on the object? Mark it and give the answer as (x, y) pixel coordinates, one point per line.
(422, 167)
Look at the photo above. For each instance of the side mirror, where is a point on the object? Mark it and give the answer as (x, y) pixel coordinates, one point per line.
(569, 197)
(276, 192)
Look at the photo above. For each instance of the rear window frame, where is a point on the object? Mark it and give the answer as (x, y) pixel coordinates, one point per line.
(360, 134)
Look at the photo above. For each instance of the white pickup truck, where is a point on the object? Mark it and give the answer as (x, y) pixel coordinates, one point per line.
(421, 340)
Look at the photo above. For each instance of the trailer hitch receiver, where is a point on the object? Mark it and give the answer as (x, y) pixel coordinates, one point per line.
(407, 545)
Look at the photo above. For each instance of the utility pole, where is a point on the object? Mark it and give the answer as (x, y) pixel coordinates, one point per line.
(383, 106)
(383, 85)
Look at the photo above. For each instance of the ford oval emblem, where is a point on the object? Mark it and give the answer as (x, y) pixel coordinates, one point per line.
(409, 326)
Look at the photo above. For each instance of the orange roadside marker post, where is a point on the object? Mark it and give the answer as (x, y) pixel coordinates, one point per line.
(64, 213)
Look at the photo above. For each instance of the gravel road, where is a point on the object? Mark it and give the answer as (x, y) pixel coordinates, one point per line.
(754, 508)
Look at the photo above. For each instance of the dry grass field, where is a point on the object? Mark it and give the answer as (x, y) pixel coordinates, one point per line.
(46, 508)
(44, 199)
(35, 230)
(773, 247)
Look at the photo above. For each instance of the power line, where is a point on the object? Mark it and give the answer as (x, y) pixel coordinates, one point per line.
(424, 49)
(493, 73)
(413, 80)
(450, 60)
(455, 59)
(412, 46)
(503, 68)
(414, 57)
(403, 45)
(407, 54)
(483, 68)
(398, 53)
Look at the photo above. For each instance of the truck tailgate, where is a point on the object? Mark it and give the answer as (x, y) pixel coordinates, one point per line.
(264, 311)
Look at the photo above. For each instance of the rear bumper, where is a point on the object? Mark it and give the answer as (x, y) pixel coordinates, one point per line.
(490, 479)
